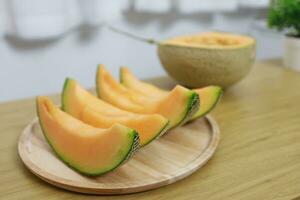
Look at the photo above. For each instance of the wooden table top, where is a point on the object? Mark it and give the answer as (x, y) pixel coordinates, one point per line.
(258, 156)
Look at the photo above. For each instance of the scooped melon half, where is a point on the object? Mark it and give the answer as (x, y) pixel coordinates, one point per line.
(209, 95)
(178, 106)
(212, 58)
(89, 150)
(86, 107)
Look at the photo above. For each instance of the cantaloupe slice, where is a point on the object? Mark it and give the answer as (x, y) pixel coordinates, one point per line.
(84, 106)
(178, 106)
(89, 150)
(209, 95)
(129, 80)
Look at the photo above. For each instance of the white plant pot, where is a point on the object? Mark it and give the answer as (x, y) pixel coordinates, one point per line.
(291, 57)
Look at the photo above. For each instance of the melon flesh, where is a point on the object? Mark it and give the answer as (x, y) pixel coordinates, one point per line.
(84, 106)
(129, 80)
(211, 39)
(89, 150)
(209, 95)
(177, 106)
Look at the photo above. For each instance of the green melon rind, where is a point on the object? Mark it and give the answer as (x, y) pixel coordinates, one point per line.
(121, 77)
(191, 109)
(131, 151)
(64, 94)
(217, 99)
(97, 87)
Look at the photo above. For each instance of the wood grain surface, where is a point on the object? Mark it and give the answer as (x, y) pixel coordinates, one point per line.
(258, 156)
(172, 157)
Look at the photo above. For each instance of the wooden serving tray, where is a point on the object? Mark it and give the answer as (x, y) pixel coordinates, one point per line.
(177, 154)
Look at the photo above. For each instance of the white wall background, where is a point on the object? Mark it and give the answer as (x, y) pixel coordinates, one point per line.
(36, 68)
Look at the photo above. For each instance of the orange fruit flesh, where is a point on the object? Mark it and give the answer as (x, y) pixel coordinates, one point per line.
(209, 96)
(175, 106)
(88, 108)
(85, 148)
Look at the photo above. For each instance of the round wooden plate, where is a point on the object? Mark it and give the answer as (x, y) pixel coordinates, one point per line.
(170, 158)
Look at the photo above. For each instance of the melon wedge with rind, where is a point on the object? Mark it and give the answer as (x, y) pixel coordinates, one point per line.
(210, 95)
(88, 150)
(178, 106)
(86, 107)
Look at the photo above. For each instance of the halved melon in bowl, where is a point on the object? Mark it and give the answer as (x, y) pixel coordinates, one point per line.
(89, 150)
(177, 106)
(88, 108)
(209, 95)
(211, 58)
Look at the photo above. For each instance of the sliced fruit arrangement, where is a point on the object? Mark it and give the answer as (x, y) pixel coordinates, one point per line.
(177, 106)
(209, 96)
(89, 150)
(88, 108)
(94, 136)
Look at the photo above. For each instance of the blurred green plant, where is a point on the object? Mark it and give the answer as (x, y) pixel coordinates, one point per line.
(285, 15)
